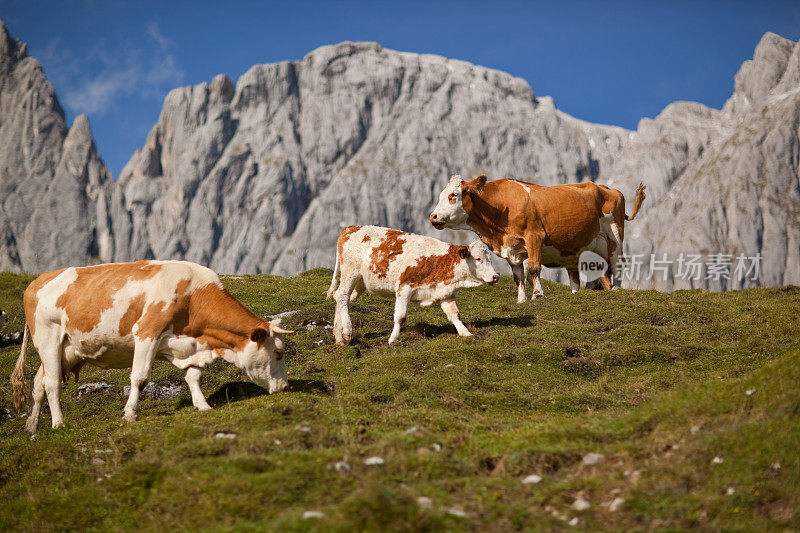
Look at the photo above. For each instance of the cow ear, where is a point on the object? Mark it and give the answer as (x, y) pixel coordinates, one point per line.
(480, 181)
(259, 335)
(463, 252)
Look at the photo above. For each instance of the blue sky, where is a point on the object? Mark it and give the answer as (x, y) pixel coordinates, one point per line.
(604, 62)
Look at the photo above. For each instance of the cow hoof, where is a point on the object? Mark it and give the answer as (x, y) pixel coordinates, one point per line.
(467, 334)
(537, 295)
(129, 418)
(204, 408)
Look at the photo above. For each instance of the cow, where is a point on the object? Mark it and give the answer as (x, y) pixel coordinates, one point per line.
(531, 225)
(125, 315)
(388, 262)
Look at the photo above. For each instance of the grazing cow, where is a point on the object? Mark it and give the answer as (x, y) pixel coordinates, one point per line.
(410, 267)
(530, 225)
(124, 315)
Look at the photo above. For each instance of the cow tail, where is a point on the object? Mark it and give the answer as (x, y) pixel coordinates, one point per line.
(637, 204)
(18, 375)
(334, 279)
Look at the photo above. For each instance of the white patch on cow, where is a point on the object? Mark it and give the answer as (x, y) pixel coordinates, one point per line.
(447, 214)
(523, 185)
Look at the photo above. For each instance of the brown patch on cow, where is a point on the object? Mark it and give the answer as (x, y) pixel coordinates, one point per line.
(29, 299)
(131, 315)
(433, 269)
(366, 238)
(216, 319)
(92, 291)
(344, 236)
(158, 316)
(384, 253)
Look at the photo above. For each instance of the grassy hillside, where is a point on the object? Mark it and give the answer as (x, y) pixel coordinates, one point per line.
(691, 398)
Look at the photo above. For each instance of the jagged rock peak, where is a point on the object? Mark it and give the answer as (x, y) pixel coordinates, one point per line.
(11, 47)
(758, 76)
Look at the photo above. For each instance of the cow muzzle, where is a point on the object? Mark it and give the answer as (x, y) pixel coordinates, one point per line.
(278, 385)
(436, 221)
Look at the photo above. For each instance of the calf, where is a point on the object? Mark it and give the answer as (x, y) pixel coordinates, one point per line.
(125, 315)
(410, 267)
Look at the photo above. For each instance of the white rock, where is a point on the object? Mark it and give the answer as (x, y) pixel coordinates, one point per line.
(373, 461)
(580, 504)
(340, 466)
(457, 512)
(592, 458)
(573, 522)
(750, 392)
(717, 460)
(730, 491)
(412, 429)
(532, 479)
(225, 435)
(424, 502)
(615, 504)
(310, 515)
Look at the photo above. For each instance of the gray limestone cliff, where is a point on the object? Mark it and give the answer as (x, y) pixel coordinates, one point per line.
(54, 188)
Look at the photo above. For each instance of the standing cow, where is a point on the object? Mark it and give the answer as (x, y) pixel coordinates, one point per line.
(410, 267)
(530, 225)
(124, 315)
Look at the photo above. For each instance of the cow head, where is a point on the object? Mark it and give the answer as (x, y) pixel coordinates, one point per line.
(263, 358)
(479, 263)
(450, 212)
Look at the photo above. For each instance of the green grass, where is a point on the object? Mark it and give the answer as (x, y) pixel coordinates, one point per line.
(655, 382)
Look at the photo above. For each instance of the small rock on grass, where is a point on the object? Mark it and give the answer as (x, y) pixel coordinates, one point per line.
(573, 522)
(580, 504)
(454, 511)
(615, 504)
(532, 479)
(592, 458)
(340, 466)
(225, 435)
(310, 515)
(717, 460)
(373, 461)
(425, 502)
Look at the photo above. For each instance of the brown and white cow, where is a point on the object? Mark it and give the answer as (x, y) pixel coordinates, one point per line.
(531, 225)
(412, 268)
(125, 315)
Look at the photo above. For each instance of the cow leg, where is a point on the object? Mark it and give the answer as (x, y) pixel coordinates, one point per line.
(519, 278)
(574, 280)
(192, 378)
(38, 395)
(400, 312)
(144, 353)
(605, 281)
(51, 361)
(533, 243)
(358, 289)
(342, 326)
(451, 310)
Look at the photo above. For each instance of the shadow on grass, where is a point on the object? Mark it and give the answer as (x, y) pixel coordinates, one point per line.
(515, 321)
(242, 390)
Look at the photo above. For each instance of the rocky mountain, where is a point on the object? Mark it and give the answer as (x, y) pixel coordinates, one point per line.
(261, 175)
(54, 188)
(724, 181)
